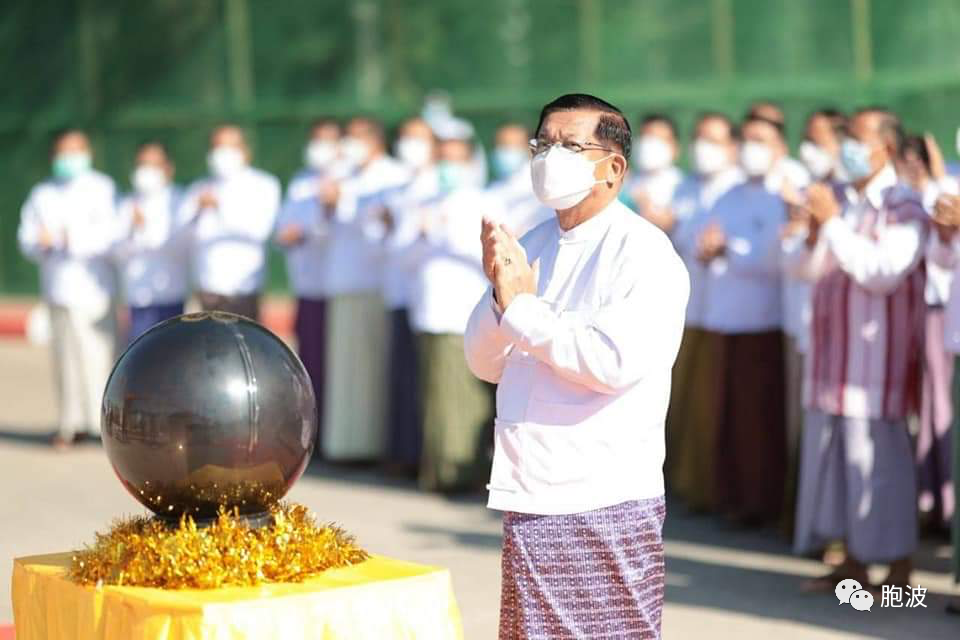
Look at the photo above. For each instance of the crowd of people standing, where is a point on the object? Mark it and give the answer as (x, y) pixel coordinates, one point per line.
(814, 385)
(382, 254)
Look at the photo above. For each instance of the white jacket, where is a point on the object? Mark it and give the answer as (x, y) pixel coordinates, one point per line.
(583, 367)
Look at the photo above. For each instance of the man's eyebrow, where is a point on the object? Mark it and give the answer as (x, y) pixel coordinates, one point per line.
(565, 137)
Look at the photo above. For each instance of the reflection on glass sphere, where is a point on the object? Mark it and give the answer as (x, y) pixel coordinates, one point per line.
(208, 409)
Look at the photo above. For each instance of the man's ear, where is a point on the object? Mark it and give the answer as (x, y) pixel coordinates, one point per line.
(616, 168)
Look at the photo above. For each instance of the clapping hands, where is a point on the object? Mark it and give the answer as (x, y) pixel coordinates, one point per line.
(505, 263)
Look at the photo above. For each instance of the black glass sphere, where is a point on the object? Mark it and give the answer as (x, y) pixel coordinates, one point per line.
(208, 409)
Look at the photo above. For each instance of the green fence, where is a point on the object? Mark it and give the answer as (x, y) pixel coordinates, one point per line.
(172, 68)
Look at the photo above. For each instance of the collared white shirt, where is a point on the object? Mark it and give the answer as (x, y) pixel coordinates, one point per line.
(659, 185)
(868, 304)
(522, 210)
(229, 240)
(692, 204)
(742, 286)
(80, 216)
(793, 175)
(787, 172)
(947, 257)
(939, 280)
(583, 367)
(356, 252)
(154, 257)
(307, 261)
(408, 207)
(446, 262)
(876, 265)
(797, 299)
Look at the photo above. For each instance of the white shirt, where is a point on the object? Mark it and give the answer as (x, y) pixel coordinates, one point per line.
(877, 264)
(939, 280)
(692, 203)
(788, 171)
(797, 299)
(742, 286)
(522, 210)
(307, 261)
(446, 263)
(356, 252)
(659, 186)
(408, 208)
(79, 214)
(583, 367)
(947, 257)
(153, 258)
(229, 241)
(795, 293)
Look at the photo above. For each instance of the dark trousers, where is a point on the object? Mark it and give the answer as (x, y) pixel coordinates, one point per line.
(751, 444)
(311, 330)
(404, 423)
(142, 318)
(245, 305)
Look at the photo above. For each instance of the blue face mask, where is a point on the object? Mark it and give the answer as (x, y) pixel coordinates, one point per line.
(67, 166)
(855, 157)
(452, 175)
(507, 160)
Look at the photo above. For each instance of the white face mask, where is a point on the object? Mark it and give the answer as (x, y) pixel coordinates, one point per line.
(148, 179)
(561, 178)
(414, 152)
(709, 157)
(320, 154)
(226, 161)
(651, 153)
(355, 152)
(818, 162)
(756, 158)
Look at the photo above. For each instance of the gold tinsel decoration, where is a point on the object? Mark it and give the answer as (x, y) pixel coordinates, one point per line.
(144, 552)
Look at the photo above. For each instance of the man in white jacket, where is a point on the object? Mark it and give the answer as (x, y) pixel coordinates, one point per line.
(151, 244)
(302, 233)
(446, 278)
(580, 331)
(232, 213)
(66, 227)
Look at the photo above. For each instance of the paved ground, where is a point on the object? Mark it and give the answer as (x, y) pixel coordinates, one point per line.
(721, 583)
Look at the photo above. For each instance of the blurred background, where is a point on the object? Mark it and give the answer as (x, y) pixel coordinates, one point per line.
(171, 69)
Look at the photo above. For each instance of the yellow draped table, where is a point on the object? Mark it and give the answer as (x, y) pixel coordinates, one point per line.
(379, 599)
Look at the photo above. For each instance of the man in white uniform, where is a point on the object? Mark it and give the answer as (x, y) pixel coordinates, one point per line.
(691, 420)
(416, 148)
(301, 232)
(355, 405)
(740, 248)
(66, 227)
(446, 280)
(787, 171)
(580, 332)
(231, 214)
(864, 253)
(820, 153)
(920, 168)
(655, 152)
(151, 245)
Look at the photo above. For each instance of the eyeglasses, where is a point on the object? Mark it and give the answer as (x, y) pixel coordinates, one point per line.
(542, 146)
